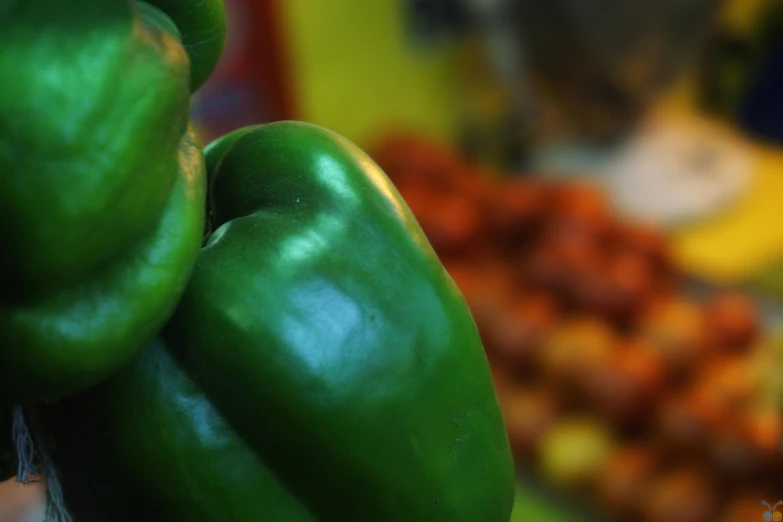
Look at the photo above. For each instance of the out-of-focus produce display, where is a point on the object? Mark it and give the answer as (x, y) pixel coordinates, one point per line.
(616, 382)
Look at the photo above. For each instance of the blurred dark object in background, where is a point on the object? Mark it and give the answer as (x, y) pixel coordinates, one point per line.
(603, 61)
(432, 20)
(498, 116)
(741, 77)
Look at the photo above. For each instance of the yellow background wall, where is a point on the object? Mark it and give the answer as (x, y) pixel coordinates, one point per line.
(355, 71)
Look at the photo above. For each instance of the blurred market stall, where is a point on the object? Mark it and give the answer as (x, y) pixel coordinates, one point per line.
(603, 179)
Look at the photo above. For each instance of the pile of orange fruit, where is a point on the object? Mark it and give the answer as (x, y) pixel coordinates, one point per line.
(615, 381)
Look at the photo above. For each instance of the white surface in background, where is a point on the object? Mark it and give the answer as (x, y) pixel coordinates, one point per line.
(668, 173)
(677, 172)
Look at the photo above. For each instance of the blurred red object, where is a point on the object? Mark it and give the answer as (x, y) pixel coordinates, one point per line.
(733, 321)
(628, 474)
(624, 388)
(408, 160)
(517, 210)
(686, 420)
(682, 495)
(747, 445)
(519, 330)
(529, 415)
(252, 83)
(676, 327)
(451, 221)
(484, 282)
(618, 287)
(576, 347)
(645, 241)
(581, 209)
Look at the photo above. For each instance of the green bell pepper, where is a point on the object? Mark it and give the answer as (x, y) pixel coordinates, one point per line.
(321, 366)
(202, 26)
(101, 191)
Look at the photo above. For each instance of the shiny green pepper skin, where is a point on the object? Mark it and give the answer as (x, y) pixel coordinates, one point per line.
(102, 189)
(202, 26)
(321, 366)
